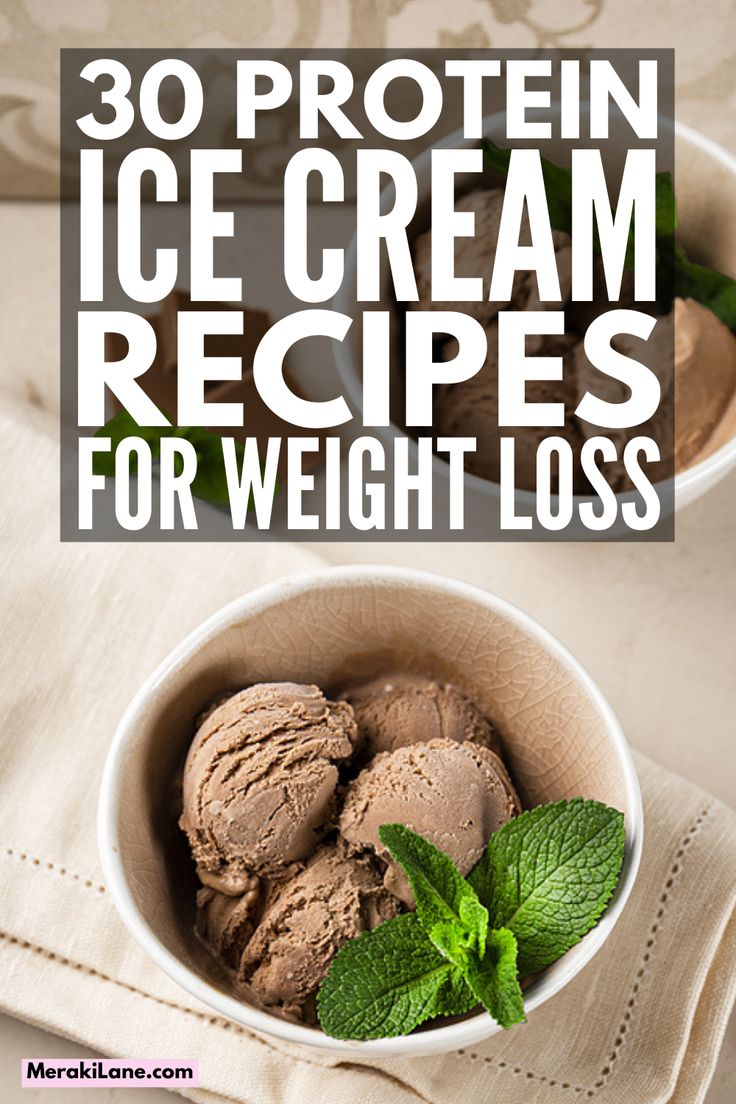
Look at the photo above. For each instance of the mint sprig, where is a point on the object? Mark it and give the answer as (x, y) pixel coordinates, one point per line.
(450, 913)
(541, 884)
(676, 274)
(548, 874)
(494, 979)
(210, 480)
(557, 183)
(713, 289)
(442, 896)
(388, 981)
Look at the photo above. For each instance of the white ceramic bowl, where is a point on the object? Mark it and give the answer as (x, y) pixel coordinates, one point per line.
(561, 739)
(705, 188)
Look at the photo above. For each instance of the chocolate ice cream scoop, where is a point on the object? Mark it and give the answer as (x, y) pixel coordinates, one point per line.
(397, 710)
(470, 409)
(306, 921)
(226, 923)
(455, 795)
(693, 355)
(259, 781)
(474, 257)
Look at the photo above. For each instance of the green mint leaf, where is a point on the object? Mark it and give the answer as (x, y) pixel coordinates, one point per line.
(665, 216)
(548, 874)
(665, 224)
(117, 429)
(557, 184)
(494, 978)
(711, 288)
(210, 481)
(441, 894)
(453, 942)
(558, 188)
(497, 157)
(387, 981)
(676, 275)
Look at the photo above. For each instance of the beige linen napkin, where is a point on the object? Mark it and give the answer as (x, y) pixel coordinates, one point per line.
(81, 626)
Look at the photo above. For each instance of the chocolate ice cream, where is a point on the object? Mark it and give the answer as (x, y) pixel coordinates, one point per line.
(259, 781)
(703, 383)
(282, 890)
(306, 921)
(455, 795)
(397, 710)
(470, 409)
(474, 257)
(226, 923)
(699, 392)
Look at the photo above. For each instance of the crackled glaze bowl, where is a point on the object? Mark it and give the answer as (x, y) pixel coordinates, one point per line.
(561, 739)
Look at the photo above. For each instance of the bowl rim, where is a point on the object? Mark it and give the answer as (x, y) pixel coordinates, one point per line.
(434, 1040)
(695, 480)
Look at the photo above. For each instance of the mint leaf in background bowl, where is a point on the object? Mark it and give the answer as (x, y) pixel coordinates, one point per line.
(542, 883)
(677, 274)
(210, 481)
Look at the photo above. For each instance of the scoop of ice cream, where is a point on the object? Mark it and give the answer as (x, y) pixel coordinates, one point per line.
(455, 795)
(579, 314)
(470, 409)
(705, 382)
(398, 710)
(474, 257)
(657, 354)
(227, 923)
(259, 781)
(702, 387)
(307, 919)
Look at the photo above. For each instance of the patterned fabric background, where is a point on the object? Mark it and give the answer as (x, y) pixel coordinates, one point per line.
(33, 31)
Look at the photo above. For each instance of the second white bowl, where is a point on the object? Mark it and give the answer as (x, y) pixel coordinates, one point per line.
(705, 188)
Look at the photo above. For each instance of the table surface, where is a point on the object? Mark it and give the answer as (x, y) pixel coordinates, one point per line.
(652, 623)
